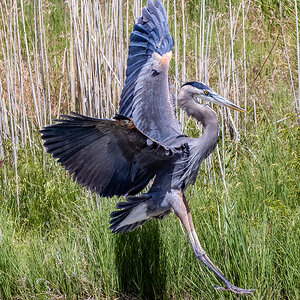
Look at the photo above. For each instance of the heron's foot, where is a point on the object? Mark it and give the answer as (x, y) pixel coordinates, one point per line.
(182, 210)
(234, 289)
(228, 285)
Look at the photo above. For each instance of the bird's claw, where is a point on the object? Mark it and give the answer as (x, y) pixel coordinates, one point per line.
(234, 289)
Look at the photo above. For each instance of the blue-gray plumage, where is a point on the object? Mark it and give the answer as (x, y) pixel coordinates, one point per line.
(120, 156)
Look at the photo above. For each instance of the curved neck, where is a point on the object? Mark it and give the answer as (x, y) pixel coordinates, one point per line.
(202, 113)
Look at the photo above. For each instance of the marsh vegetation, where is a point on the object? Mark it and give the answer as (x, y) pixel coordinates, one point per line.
(61, 56)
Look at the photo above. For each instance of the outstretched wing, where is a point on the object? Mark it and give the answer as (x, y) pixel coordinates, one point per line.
(146, 95)
(111, 157)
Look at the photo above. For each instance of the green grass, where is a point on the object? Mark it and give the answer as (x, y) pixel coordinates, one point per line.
(58, 245)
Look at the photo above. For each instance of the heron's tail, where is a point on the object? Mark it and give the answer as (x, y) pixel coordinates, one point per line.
(131, 214)
(136, 211)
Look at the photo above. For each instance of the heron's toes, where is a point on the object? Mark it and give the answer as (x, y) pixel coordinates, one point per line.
(235, 289)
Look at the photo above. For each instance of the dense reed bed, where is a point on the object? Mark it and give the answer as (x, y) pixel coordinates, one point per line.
(61, 56)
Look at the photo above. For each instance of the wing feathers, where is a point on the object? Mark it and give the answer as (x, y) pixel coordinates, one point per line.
(150, 34)
(111, 157)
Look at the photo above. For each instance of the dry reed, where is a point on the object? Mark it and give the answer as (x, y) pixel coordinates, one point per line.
(94, 59)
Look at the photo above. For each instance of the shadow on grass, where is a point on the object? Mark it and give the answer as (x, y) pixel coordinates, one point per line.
(141, 263)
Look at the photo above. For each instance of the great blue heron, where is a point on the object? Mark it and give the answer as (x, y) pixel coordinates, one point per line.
(120, 156)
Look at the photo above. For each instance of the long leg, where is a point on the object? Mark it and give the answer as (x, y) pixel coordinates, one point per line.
(182, 210)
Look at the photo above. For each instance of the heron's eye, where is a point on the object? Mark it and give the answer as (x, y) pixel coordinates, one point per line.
(206, 93)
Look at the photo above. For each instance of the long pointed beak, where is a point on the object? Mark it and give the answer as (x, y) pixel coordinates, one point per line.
(217, 99)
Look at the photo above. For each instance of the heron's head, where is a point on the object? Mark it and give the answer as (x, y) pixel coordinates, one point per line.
(199, 90)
